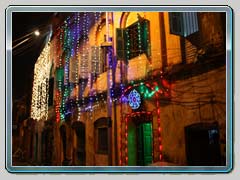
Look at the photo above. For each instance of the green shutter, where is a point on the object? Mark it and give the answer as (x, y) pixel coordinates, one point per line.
(121, 40)
(147, 141)
(132, 144)
(144, 144)
(140, 160)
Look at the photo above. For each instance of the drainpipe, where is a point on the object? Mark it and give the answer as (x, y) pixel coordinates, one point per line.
(108, 45)
(114, 102)
(109, 103)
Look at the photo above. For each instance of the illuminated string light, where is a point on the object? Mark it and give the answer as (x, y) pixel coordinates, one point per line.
(67, 52)
(55, 48)
(150, 90)
(39, 106)
(159, 128)
(126, 140)
(140, 45)
(95, 63)
(59, 71)
(77, 67)
(84, 56)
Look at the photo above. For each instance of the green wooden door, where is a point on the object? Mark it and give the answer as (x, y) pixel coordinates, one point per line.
(144, 144)
(140, 160)
(132, 144)
(147, 143)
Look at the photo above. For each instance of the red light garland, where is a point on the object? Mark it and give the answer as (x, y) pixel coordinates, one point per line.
(158, 93)
(120, 163)
(126, 140)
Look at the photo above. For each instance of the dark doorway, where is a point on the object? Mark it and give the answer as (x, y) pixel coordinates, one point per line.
(63, 133)
(202, 144)
(79, 128)
(47, 144)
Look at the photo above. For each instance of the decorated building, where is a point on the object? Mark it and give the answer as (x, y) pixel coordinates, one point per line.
(131, 88)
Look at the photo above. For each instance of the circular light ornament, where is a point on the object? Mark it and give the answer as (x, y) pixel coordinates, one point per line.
(134, 99)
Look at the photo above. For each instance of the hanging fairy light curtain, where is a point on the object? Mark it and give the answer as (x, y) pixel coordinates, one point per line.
(39, 107)
(74, 61)
(67, 47)
(59, 74)
(72, 50)
(66, 56)
(77, 22)
(94, 65)
(73, 65)
(83, 62)
(84, 54)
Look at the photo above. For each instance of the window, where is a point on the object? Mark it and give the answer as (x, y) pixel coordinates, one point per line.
(175, 23)
(102, 126)
(133, 40)
(183, 23)
(103, 140)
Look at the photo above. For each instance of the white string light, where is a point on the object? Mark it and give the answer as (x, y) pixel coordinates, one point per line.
(95, 60)
(84, 56)
(77, 66)
(39, 107)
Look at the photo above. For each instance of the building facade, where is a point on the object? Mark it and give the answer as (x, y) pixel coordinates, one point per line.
(131, 88)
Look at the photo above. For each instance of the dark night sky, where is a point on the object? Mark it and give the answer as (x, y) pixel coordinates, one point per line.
(24, 60)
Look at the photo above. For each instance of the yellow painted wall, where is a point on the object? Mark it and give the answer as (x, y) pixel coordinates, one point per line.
(173, 44)
(155, 40)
